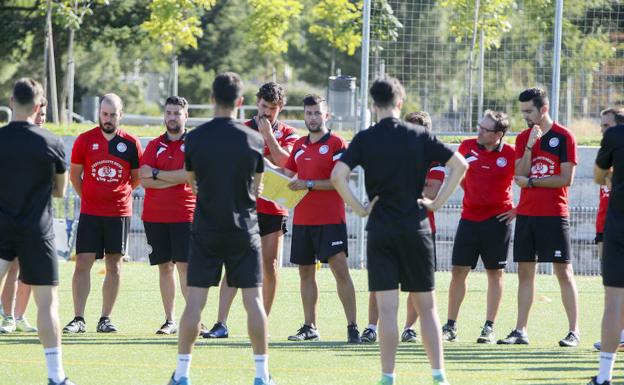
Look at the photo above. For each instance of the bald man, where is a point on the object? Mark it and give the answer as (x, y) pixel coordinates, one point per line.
(104, 170)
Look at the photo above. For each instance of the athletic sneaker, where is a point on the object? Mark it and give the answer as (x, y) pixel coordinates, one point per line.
(203, 329)
(181, 381)
(219, 330)
(353, 335)
(409, 335)
(439, 380)
(105, 326)
(369, 336)
(516, 337)
(260, 381)
(449, 333)
(8, 325)
(305, 333)
(572, 340)
(594, 381)
(77, 325)
(386, 381)
(169, 327)
(598, 345)
(22, 325)
(66, 381)
(487, 335)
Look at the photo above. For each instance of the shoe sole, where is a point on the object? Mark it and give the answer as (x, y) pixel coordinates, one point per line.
(566, 345)
(212, 336)
(305, 339)
(72, 332)
(481, 340)
(512, 343)
(164, 333)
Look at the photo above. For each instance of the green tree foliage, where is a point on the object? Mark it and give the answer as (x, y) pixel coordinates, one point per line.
(268, 24)
(339, 23)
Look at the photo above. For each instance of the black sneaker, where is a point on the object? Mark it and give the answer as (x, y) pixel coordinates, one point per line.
(77, 325)
(369, 336)
(219, 330)
(409, 335)
(449, 333)
(487, 336)
(594, 381)
(353, 335)
(572, 340)
(516, 337)
(305, 333)
(105, 326)
(169, 327)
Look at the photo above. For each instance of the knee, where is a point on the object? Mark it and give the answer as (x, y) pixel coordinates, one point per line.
(83, 265)
(166, 269)
(307, 273)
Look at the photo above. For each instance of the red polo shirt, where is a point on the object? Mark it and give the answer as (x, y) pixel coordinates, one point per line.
(488, 181)
(553, 148)
(286, 137)
(602, 209)
(106, 189)
(315, 161)
(172, 204)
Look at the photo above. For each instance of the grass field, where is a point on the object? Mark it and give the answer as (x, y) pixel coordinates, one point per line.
(135, 356)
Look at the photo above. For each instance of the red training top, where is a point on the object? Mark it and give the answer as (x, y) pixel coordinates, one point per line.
(602, 209)
(436, 172)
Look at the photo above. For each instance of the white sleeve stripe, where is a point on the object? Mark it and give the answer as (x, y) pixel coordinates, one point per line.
(438, 168)
(337, 156)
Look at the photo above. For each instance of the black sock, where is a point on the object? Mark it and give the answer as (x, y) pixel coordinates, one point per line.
(77, 318)
(103, 319)
(450, 323)
(489, 323)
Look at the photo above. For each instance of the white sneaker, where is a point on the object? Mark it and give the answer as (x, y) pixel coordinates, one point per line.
(598, 345)
(22, 325)
(8, 325)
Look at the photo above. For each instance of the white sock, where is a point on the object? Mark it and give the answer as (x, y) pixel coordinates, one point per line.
(438, 373)
(54, 362)
(622, 335)
(607, 360)
(389, 375)
(372, 327)
(184, 366)
(262, 366)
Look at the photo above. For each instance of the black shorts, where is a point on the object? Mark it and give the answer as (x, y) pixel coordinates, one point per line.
(269, 223)
(488, 239)
(599, 238)
(240, 252)
(37, 258)
(542, 239)
(613, 250)
(167, 242)
(313, 242)
(405, 259)
(102, 235)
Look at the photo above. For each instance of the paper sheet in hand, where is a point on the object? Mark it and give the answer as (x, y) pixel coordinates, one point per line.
(276, 189)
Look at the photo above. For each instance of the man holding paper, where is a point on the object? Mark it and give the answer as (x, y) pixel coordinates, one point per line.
(319, 225)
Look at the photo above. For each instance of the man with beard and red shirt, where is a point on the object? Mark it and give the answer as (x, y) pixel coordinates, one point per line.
(484, 229)
(169, 205)
(545, 162)
(278, 141)
(104, 171)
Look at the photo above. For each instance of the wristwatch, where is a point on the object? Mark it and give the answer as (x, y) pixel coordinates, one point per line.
(530, 183)
(310, 184)
(155, 172)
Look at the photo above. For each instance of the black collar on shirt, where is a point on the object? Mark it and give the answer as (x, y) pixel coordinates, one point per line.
(167, 140)
(498, 148)
(324, 139)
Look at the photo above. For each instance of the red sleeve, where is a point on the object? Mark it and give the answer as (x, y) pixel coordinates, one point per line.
(290, 163)
(437, 172)
(78, 151)
(521, 142)
(462, 148)
(290, 137)
(149, 156)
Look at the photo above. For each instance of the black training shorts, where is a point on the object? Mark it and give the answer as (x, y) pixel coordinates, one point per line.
(167, 242)
(269, 223)
(102, 235)
(321, 242)
(542, 239)
(488, 239)
(613, 250)
(37, 257)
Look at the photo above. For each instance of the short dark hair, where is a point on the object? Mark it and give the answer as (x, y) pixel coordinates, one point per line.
(536, 94)
(44, 102)
(227, 88)
(27, 92)
(273, 93)
(313, 100)
(387, 91)
(500, 119)
(419, 117)
(618, 114)
(177, 101)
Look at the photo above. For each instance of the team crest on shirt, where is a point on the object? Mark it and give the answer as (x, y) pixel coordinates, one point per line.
(279, 134)
(95, 146)
(182, 147)
(107, 171)
(501, 162)
(553, 142)
(121, 147)
(149, 249)
(324, 149)
(542, 166)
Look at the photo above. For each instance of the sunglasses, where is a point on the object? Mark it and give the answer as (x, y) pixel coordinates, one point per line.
(480, 127)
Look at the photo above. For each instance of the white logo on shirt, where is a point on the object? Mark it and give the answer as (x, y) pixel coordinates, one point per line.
(182, 147)
(324, 149)
(501, 162)
(554, 142)
(279, 134)
(542, 166)
(160, 151)
(95, 146)
(121, 147)
(337, 243)
(557, 253)
(107, 171)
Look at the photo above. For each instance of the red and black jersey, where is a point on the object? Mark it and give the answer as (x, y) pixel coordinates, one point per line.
(315, 161)
(436, 172)
(172, 204)
(286, 137)
(602, 209)
(488, 181)
(106, 189)
(555, 147)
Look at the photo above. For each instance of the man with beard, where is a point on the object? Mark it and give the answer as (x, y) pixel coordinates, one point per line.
(545, 162)
(168, 206)
(319, 224)
(278, 142)
(104, 171)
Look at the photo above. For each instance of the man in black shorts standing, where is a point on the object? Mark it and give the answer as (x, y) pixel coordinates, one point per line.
(611, 156)
(104, 170)
(224, 163)
(32, 162)
(395, 157)
(545, 163)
